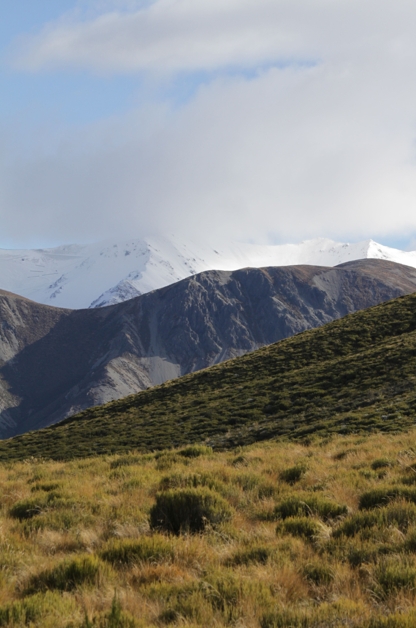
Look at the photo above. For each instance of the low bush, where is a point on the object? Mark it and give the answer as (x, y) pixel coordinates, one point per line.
(257, 554)
(182, 480)
(293, 474)
(194, 451)
(31, 610)
(357, 522)
(309, 506)
(26, 509)
(303, 527)
(381, 463)
(392, 576)
(398, 514)
(318, 573)
(45, 486)
(188, 510)
(68, 575)
(125, 461)
(381, 496)
(147, 549)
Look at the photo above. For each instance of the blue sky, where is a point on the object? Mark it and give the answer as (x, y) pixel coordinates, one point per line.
(269, 121)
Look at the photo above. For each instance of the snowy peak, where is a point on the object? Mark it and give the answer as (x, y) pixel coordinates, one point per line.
(105, 273)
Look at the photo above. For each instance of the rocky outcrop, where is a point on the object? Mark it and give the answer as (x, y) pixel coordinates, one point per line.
(55, 362)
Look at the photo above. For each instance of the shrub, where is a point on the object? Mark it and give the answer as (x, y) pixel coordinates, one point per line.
(382, 496)
(362, 554)
(381, 463)
(258, 554)
(318, 573)
(240, 461)
(293, 474)
(392, 576)
(356, 523)
(68, 575)
(45, 486)
(194, 451)
(180, 480)
(31, 610)
(146, 549)
(398, 514)
(309, 505)
(125, 461)
(304, 527)
(188, 510)
(26, 509)
(166, 460)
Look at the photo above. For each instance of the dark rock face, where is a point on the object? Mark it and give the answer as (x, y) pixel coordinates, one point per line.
(55, 362)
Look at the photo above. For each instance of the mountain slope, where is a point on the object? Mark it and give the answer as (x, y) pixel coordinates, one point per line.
(56, 362)
(79, 276)
(102, 352)
(357, 373)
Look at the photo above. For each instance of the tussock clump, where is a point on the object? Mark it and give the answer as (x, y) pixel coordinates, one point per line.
(393, 575)
(167, 459)
(194, 451)
(318, 573)
(125, 461)
(68, 575)
(303, 527)
(45, 486)
(188, 510)
(309, 506)
(240, 461)
(146, 549)
(398, 514)
(381, 463)
(34, 608)
(293, 474)
(182, 480)
(381, 496)
(26, 509)
(256, 554)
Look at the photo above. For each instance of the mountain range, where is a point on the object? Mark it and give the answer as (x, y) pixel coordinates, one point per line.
(93, 275)
(353, 375)
(55, 362)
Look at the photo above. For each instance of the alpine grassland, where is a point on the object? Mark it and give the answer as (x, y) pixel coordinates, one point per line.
(274, 534)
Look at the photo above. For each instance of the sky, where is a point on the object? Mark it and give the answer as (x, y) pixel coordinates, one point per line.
(267, 121)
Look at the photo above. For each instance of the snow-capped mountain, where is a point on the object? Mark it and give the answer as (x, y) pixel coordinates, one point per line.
(94, 275)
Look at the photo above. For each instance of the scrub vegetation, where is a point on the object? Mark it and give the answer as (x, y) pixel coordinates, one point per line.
(275, 534)
(357, 374)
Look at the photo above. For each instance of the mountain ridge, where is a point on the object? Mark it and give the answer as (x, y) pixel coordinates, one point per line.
(355, 374)
(55, 362)
(106, 273)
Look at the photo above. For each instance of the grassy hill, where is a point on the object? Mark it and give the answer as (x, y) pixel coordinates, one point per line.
(288, 535)
(355, 374)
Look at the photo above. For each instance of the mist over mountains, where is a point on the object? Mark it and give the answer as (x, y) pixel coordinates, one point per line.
(94, 275)
(55, 362)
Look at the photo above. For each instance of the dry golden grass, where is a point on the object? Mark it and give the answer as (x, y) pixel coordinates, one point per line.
(59, 521)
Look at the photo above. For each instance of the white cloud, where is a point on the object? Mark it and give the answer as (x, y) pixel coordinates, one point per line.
(295, 152)
(173, 35)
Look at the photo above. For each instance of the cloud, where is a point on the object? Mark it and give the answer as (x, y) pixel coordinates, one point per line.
(321, 144)
(184, 35)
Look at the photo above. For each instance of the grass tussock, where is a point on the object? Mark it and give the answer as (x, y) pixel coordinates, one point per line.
(275, 534)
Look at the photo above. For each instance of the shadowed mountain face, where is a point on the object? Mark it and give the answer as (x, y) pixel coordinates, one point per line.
(55, 362)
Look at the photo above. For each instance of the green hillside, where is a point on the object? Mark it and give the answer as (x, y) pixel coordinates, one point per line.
(355, 374)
